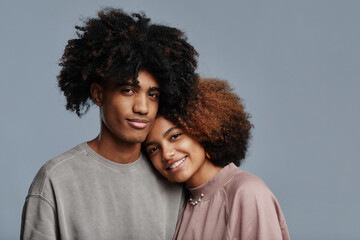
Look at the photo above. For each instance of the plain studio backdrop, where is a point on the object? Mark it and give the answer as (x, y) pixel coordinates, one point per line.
(296, 64)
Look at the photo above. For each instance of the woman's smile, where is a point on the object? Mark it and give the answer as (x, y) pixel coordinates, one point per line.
(175, 166)
(176, 155)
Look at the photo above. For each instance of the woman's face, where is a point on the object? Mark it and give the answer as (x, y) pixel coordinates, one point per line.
(176, 155)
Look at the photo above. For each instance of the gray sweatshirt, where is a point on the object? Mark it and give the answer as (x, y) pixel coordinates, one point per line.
(81, 195)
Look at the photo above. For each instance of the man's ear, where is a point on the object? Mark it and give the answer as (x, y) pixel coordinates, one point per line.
(97, 93)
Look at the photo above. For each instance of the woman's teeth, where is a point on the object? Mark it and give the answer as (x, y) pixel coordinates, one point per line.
(177, 163)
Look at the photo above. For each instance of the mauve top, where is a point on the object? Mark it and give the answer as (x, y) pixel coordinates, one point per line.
(235, 205)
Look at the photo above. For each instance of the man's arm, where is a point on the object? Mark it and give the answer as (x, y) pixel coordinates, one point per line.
(39, 219)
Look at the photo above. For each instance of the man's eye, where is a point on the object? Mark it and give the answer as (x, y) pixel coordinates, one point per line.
(154, 95)
(152, 150)
(127, 90)
(175, 136)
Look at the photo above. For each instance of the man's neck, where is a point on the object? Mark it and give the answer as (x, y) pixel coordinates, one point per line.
(116, 151)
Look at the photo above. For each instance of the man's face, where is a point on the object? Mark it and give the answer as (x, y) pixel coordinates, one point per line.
(128, 112)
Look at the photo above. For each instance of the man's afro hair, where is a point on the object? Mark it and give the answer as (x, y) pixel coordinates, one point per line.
(114, 47)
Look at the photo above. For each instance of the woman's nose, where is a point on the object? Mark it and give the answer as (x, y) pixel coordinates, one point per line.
(169, 153)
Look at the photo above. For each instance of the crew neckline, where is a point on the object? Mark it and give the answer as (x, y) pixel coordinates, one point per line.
(118, 166)
(215, 183)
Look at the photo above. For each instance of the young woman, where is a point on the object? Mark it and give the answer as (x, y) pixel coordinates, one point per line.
(202, 146)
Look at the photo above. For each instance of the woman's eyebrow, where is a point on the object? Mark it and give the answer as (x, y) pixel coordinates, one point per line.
(169, 130)
(165, 134)
(149, 143)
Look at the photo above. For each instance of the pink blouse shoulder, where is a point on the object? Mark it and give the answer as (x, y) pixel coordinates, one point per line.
(253, 212)
(235, 205)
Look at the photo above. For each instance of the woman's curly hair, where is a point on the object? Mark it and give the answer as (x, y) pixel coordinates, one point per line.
(215, 117)
(114, 47)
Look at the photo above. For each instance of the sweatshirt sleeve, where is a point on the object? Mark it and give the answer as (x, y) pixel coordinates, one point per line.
(39, 219)
(254, 213)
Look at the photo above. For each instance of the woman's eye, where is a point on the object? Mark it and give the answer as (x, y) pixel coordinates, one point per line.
(152, 150)
(175, 136)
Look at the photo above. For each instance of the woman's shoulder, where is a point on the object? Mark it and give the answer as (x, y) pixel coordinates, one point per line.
(245, 184)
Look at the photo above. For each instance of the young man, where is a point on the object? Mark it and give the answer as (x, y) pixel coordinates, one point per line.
(105, 188)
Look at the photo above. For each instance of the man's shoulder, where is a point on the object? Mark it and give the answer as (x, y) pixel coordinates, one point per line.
(52, 167)
(63, 159)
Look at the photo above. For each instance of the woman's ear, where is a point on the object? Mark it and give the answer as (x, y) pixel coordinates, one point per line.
(97, 93)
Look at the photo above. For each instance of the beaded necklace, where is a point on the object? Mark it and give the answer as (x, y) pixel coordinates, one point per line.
(193, 203)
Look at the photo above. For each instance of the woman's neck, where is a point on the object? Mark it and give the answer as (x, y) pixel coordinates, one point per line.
(206, 171)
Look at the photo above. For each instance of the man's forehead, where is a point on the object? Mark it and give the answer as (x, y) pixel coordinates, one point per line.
(145, 79)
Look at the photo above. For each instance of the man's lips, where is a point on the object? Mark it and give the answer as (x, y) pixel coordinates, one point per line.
(138, 122)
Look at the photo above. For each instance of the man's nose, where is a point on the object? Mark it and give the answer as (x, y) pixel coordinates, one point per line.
(141, 104)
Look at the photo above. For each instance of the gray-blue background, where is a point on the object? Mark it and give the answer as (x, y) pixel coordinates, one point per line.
(295, 64)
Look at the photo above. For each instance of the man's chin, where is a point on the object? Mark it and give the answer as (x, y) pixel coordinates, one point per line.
(139, 139)
(135, 137)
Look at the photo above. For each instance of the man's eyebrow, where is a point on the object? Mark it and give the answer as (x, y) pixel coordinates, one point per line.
(154, 89)
(136, 85)
(130, 84)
